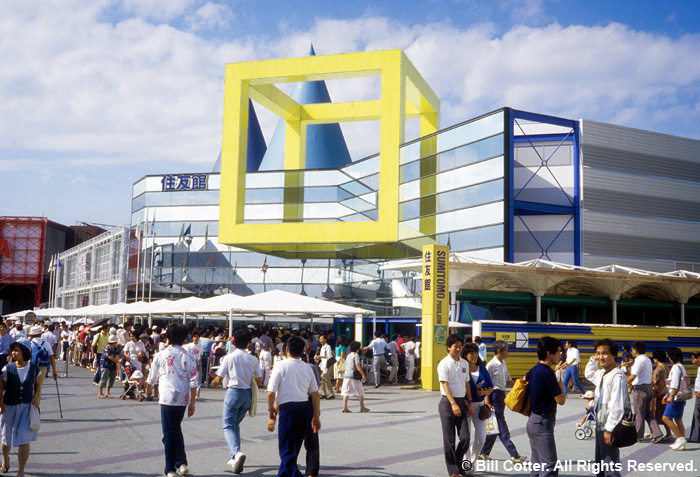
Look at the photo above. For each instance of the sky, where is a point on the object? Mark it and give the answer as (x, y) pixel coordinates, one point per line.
(95, 95)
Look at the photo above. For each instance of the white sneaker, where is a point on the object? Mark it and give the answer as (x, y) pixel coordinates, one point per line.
(237, 462)
(183, 470)
(171, 474)
(679, 444)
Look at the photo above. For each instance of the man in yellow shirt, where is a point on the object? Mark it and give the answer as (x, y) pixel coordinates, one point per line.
(99, 342)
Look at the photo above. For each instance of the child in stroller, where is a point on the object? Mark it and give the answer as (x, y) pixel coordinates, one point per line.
(135, 385)
(584, 428)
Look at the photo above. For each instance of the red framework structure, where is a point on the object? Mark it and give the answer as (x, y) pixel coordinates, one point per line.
(26, 237)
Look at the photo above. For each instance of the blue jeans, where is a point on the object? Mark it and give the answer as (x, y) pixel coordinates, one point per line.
(497, 400)
(98, 374)
(173, 440)
(571, 372)
(236, 404)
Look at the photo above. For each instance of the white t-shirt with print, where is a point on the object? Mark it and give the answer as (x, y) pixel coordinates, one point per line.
(175, 372)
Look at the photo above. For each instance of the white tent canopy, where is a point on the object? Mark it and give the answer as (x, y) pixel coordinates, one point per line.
(254, 307)
(280, 302)
(218, 305)
(177, 307)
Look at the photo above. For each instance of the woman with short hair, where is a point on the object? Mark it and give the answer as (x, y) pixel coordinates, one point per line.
(352, 386)
(19, 391)
(673, 416)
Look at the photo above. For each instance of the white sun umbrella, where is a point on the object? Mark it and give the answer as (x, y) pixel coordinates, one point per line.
(178, 307)
(83, 321)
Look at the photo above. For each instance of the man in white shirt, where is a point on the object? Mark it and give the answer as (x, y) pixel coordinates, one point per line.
(18, 332)
(573, 357)
(124, 333)
(378, 346)
(455, 405)
(394, 356)
(291, 383)
(500, 377)
(265, 345)
(482, 348)
(46, 357)
(695, 423)
(242, 372)
(50, 337)
(610, 397)
(409, 348)
(642, 392)
(325, 353)
(174, 370)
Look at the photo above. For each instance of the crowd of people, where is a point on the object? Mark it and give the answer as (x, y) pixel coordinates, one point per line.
(471, 391)
(297, 370)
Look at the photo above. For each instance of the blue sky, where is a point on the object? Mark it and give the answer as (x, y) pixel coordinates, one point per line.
(95, 95)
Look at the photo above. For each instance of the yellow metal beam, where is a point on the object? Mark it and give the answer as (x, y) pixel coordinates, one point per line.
(275, 100)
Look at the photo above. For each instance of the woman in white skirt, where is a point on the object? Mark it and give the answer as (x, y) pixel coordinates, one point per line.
(18, 389)
(351, 385)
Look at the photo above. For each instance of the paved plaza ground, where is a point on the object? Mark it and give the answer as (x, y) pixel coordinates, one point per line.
(399, 437)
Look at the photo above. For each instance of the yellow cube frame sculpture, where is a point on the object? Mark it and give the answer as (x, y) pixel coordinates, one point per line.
(403, 94)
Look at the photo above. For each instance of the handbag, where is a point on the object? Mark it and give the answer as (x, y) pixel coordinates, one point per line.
(330, 362)
(492, 426)
(518, 399)
(34, 418)
(484, 412)
(624, 434)
(356, 374)
(684, 391)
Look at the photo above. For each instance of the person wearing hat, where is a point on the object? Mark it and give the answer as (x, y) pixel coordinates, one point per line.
(45, 357)
(110, 358)
(19, 388)
(99, 342)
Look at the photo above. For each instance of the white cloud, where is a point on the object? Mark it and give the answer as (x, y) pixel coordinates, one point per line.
(79, 91)
(210, 15)
(158, 10)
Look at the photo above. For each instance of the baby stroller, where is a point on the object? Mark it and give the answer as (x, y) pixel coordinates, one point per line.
(584, 429)
(133, 385)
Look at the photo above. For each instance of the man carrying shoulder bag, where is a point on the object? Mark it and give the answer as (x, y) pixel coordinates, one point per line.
(611, 398)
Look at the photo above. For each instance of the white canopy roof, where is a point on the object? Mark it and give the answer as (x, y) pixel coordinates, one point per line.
(220, 304)
(177, 307)
(280, 302)
(275, 302)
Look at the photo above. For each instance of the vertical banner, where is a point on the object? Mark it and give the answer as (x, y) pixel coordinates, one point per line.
(358, 327)
(436, 311)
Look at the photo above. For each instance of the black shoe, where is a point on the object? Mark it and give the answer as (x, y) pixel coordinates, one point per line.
(330, 397)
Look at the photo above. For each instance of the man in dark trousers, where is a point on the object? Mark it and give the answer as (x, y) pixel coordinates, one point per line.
(545, 393)
(455, 406)
(500, 377)
(642, 392)
(175, 371)
(291, 383)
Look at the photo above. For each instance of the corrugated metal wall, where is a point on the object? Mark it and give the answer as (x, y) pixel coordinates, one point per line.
(641, 198)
